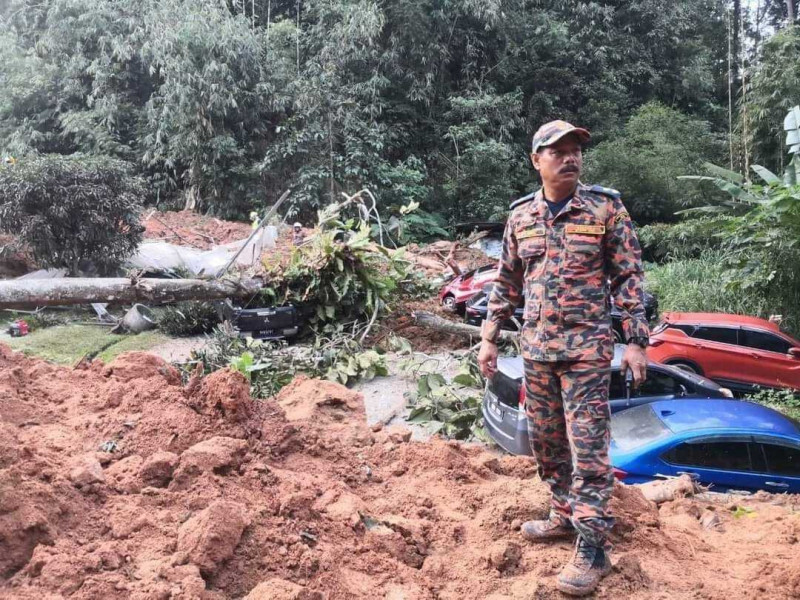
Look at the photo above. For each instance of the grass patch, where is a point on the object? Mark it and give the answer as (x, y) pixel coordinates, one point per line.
(66, 344)
(701, 285)
(132, 343)
(784, 401)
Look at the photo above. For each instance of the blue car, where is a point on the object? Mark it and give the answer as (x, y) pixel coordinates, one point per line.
(726, 444)
(503, 400)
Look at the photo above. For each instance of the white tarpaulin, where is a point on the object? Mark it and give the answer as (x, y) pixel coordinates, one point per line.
(162, 256)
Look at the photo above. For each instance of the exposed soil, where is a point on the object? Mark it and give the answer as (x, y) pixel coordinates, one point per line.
(188, 228)
(422, 339)
(205, 493)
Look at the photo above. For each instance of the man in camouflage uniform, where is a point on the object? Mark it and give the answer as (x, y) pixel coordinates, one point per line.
(569, 250)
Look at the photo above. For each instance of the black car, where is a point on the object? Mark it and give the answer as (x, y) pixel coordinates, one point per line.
(475, 313)
(504, 398)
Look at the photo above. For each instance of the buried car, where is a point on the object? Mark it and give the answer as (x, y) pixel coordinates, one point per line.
(726, 444)
(456, 292)
(739, 352)
(476, 309)
(504, 399)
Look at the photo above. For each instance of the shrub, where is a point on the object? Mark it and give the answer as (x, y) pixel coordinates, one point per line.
(785, 401)
(657, 145)
(66, 209)
(679, 241)
(188, 318)
(702, 284)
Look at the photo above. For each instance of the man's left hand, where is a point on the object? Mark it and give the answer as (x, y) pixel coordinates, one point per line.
(635, 358)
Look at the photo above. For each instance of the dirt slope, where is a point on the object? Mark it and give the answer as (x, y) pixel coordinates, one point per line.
(208, 494)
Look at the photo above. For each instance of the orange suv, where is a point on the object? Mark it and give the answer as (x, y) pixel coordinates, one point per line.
(741, 353)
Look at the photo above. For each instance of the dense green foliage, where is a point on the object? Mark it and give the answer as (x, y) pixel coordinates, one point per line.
(774, 90)
(71, 209)
(702, 284)
(662, 242)
(415, 99)
(758, 230)
(657, 145)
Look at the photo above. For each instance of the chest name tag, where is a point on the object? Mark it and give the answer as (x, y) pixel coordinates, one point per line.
(529, 233)
(586, 229)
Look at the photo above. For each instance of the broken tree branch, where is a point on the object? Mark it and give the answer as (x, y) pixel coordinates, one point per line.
(426, 319)
(84, 290)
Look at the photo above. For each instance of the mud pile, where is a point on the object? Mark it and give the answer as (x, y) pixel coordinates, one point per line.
(117, 482)
(188, 228)
(430, 258)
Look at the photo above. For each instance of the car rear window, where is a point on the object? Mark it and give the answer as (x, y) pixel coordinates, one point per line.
(637, 427)
(764, 341)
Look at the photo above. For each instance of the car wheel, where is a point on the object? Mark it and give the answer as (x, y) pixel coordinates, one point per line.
(449, 303)
(686, 366)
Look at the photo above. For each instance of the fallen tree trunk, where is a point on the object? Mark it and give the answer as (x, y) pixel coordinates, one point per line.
(27, 293)
(426, 319)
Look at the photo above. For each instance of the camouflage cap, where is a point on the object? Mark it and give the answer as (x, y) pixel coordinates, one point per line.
(551, 132)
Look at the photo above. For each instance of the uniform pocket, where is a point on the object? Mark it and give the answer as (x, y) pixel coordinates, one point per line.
(583, 244)
(531, 249)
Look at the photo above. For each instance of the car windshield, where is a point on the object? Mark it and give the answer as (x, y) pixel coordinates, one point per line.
(636, 427)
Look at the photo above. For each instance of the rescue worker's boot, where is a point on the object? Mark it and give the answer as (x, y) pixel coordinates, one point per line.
(588, 566)
(547, 529)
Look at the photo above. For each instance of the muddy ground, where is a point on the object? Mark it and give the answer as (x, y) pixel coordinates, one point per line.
(120, 482)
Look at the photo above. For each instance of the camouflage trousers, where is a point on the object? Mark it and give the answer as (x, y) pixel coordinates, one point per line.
(568, 424)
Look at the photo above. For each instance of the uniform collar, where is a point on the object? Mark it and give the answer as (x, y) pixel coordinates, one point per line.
(539, 207)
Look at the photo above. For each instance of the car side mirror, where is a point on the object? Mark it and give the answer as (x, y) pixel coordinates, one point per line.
(794, 353)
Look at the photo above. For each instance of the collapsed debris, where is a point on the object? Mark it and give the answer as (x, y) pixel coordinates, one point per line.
(203, 498)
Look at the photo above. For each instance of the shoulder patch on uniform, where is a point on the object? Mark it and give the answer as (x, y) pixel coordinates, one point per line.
(599, 189)
(621, 216)
(522, 200)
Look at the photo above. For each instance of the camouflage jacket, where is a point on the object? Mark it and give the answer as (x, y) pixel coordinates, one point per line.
(569, 269)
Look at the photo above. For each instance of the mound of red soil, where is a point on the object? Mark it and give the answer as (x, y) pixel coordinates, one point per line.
(116, 482)
(188, 228)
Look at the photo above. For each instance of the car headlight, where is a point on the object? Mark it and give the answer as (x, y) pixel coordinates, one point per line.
(726, 392)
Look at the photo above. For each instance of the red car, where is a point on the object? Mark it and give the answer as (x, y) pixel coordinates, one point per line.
(735, 351)
(457, 291)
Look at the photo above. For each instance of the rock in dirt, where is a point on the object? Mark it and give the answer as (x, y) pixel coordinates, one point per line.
(209, 538)
(710, 519)
(281, 589)
(398, 434)
(305, 398)
(141, 365)
(225, 392)
(157, 469)
(123, 475)
(505, 556)
(218, 455)
(86, 470)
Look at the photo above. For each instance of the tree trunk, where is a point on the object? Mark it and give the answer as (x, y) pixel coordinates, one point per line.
(30, 293)
(426, 319)
(790, 12)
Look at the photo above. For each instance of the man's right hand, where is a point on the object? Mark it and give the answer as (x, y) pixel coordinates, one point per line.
(487, 358)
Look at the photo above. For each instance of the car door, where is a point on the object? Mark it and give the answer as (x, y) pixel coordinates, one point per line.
(724, 462)
(772, 365)
(717, 351)
(782, 459)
